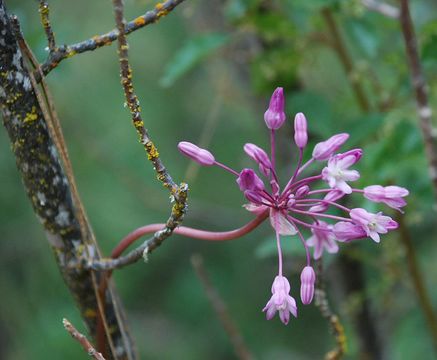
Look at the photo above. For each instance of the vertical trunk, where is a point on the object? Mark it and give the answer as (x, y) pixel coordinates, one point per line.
(48, 189)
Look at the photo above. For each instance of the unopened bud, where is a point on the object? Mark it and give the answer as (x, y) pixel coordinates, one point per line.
(324, 149)
(199, 155)
(307, 281)
(275, 115)
(248, 180)
(300, 130)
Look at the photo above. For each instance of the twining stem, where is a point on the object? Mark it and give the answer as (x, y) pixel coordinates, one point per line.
(149, 245)
(420, 91)
(220, 308)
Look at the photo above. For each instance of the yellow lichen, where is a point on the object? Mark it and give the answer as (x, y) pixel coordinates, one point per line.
(152, 152)
(90, 313)
(31, 116)
(139, 21)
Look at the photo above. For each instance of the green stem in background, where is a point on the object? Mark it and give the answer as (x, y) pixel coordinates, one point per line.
(345, 59)
(420, 87)
(221, 310)
(417, 279)
(321, 301)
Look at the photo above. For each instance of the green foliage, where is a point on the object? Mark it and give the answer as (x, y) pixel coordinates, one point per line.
(191, 54)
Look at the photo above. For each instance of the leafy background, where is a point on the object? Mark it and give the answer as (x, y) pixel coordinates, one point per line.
(204, 74)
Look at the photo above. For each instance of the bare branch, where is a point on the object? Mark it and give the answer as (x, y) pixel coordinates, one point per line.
(420, 86)
(44, 13)
(66, 51)
(82, 340)
(221, 310)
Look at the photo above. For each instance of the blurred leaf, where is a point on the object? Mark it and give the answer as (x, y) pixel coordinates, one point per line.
(429, 50)
(363, 127)
(194, 51)
(365, 36)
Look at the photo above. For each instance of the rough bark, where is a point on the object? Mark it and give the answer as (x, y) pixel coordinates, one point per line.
(48, 189)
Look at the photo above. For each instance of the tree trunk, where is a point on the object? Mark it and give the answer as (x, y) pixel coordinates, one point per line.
(49, 191)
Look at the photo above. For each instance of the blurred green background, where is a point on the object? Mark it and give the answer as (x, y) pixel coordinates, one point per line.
(204, 74)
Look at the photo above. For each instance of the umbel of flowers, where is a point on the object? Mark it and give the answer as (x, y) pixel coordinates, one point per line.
(300, 205)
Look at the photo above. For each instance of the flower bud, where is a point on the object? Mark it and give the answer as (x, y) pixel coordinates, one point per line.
(199, 155)
(254, 197)
(275, 116)
(302, 191)
(300, 130)
(307, 281)
(389, 195)
(260, 156)
(248, 180)
(324, 149)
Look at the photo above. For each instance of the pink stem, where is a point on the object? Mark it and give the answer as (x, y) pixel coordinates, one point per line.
(189, 232)
(227, 168)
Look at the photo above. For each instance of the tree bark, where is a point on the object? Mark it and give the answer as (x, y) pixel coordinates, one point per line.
(49, 191)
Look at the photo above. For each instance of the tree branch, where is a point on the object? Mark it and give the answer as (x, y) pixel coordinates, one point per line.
(82, 340)
(66, 51)
(420, 87)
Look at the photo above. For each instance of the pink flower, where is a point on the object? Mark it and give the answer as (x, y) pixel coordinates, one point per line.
(275, 115)
(301, 205)
(336, 173)
(323, 238)
(281, 301)
(390, 195)
(307, 282)
(373, 224)
(201, 156)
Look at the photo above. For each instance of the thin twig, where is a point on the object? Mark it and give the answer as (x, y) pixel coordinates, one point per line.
(420, 91)
(44, 11)
(417, 279)
(221, 310)
(345, 59)
(321, 300)
(66, 51)
(382, 8)
(82, 340)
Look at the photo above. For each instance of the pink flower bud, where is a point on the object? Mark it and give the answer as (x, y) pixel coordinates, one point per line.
(333, 195)
(346, 231)
(307, 281)
(254, 197)
(300, 130)
(324, 149)
(275, 116)
(302, 191)
(201, 156)
(389, 195)
(260, 156)
(248, 180)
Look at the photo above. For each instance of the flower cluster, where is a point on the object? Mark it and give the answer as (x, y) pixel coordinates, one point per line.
(300, 205)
